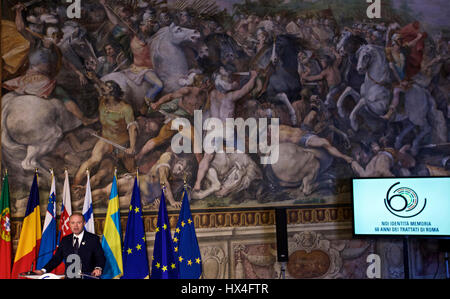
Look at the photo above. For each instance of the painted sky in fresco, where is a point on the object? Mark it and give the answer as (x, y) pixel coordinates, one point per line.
(433, 12)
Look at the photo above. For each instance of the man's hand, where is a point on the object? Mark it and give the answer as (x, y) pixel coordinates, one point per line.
(176, 204)
(253, 74)
(38, 272)
(130, 151)
(91, 75)
(97, 272)
(143, 110)
(19, 7)
(306, 72)
(154, 106)
(82, 78)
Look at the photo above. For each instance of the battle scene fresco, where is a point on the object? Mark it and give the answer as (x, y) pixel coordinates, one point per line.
(353, 97)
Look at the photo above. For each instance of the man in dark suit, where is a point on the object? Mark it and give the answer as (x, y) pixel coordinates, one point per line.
(82, 243)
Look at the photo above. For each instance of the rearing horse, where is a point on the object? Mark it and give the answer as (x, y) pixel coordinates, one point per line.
(420, 107)
(169, 61)
(282, 81)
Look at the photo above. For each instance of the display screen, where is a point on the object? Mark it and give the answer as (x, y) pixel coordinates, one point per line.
(401, 206)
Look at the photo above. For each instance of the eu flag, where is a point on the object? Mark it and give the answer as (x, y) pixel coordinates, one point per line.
(185, 241)
(164, 265)
(135, 260)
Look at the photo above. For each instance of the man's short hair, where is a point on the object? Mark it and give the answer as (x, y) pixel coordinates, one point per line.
(219, 83)
(116, 89)
(113, 45)
(306, 93)
(328, 59)
(78, 214)
(191, 166)
(200, 79)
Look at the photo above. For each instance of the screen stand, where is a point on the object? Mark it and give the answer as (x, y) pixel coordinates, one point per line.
(447, 273)
(283, 270)
(406, 257)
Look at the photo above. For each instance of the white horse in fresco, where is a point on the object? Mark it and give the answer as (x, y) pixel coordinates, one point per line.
(420, 107)
(31, 129)
(169, 62)
(169, 59)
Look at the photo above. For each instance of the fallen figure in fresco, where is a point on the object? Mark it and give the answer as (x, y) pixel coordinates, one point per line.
(383, 162)
(228, 174)
(168, 171)
(304, 174)
(307, 139)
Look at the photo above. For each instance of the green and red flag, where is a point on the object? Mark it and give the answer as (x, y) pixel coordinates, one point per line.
(5, 232)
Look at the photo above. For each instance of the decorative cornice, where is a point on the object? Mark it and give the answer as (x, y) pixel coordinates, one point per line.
(232, 218)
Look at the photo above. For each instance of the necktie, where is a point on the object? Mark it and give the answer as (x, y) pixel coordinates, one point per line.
(76, 245)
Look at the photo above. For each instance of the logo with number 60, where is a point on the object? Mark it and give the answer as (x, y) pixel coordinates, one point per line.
(404, 202)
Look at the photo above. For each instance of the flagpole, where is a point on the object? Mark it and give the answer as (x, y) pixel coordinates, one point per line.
(185, 184)
(52, 173)
(137, 175)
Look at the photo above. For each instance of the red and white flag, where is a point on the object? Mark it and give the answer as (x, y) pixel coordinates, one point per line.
(66, 211)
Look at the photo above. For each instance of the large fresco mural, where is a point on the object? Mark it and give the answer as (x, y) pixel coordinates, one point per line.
(354, 97)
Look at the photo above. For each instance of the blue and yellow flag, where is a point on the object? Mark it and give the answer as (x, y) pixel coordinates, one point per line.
(112, 240)
(164, 265)
(135, 259)
(185, 242)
